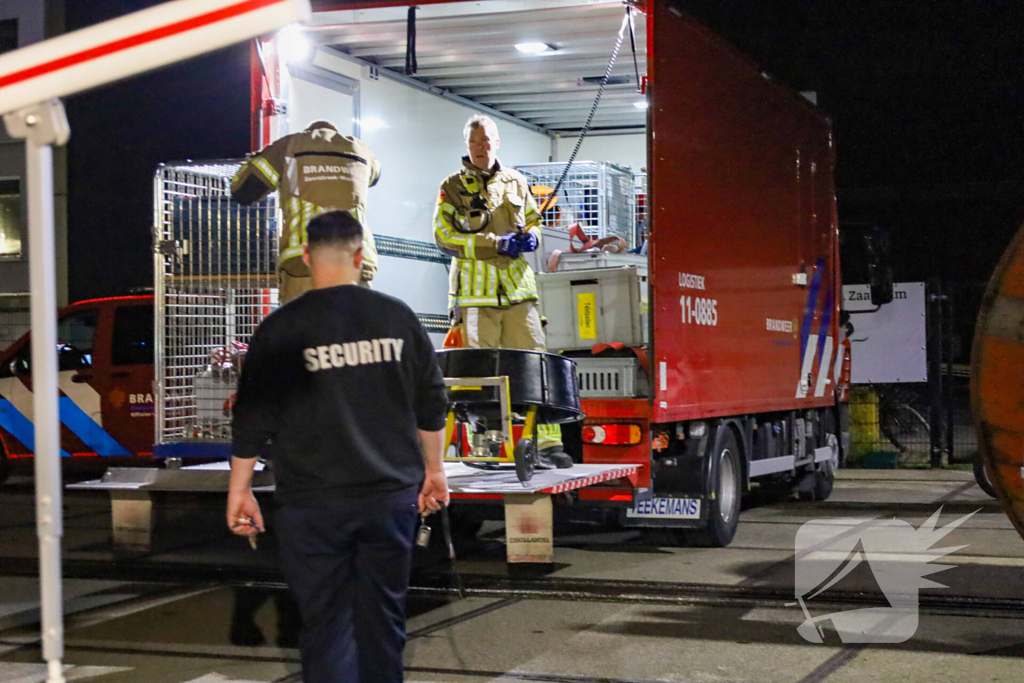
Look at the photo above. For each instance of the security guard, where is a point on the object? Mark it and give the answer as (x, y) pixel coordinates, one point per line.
(486, 219)
(317, 170)
(344, 385)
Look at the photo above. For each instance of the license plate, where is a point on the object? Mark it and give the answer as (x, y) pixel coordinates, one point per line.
(666, 508)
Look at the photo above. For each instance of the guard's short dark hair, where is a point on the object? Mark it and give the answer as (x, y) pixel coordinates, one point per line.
(335, 229)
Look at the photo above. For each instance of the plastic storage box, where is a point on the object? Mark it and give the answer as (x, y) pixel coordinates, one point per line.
(610, 378)
(597, 306)
(587, 260)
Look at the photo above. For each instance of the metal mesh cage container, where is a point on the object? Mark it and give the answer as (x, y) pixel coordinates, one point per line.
(640, 196)
(598, 195)
(214, 280)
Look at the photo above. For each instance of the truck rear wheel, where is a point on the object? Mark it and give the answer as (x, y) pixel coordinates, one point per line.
(724, 505)
(825, 471)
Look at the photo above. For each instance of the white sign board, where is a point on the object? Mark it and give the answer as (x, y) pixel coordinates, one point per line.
(887, 345)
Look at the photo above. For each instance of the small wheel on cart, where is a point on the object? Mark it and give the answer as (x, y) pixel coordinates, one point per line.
(525, 455)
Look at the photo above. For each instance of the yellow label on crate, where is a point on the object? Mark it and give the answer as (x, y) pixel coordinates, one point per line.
(586, 315)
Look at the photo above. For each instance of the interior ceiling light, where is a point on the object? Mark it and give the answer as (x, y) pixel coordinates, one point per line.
(295, 46)
(370, 124)
(535, 48)
(640, 104)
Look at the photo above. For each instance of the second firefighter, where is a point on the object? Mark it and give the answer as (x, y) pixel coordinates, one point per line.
(486, 219)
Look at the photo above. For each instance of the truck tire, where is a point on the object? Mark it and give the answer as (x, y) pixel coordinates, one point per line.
(727, 487)
(816, 485)
(5, 466)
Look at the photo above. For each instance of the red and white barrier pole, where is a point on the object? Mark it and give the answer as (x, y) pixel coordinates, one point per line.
(31, 80)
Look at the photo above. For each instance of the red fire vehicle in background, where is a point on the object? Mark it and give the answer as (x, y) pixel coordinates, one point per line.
(105, 358)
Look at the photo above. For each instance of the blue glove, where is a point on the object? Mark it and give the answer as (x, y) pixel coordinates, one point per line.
(527, 241)
(508, 245)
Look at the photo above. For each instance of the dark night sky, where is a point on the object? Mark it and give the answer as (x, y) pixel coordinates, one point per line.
(925, 96)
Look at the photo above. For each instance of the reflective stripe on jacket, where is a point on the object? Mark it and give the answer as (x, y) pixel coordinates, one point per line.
(479, 275)
(316, 171)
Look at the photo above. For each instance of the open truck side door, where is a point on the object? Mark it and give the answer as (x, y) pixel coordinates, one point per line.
(742, 245)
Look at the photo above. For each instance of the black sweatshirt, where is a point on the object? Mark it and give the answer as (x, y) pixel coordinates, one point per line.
(338, 381)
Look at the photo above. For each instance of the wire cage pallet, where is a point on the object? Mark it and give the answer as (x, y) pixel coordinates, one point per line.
(640, 196)
(214, 281)
(640, 203)
(598, 195)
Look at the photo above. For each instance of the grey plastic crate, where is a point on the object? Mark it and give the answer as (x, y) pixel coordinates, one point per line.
(598, 306)
(610, 378)
(588, 260)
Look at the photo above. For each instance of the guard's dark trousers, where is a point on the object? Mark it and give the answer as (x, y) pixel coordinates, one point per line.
(348, 565)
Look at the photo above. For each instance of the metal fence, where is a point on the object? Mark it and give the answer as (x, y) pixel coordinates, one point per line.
(926, 423)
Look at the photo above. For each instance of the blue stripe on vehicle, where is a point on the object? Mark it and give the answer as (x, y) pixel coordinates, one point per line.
(812, 304)
(826, 322)
(19, 427)
(86, 429)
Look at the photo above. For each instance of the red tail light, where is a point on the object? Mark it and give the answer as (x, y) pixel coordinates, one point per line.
(612, 434)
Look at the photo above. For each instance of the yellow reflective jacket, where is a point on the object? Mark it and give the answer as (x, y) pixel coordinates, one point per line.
(479, 275)
(316, 171)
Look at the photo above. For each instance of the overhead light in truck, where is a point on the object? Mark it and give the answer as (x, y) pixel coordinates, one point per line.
(640, 104)
(295, 46)
(370, 124)
(535, 48)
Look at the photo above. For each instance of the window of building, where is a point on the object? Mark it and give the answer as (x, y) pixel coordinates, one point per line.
(8, 35)
(133, 336)
(10, 218)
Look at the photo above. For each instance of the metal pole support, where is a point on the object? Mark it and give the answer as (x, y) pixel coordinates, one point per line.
(43, 125)
(935, 348)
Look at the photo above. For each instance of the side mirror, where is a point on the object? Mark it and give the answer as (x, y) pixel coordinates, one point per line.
(879, 266)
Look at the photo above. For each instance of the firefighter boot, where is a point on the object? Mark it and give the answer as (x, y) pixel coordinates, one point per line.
(553, 458)
(550, 451)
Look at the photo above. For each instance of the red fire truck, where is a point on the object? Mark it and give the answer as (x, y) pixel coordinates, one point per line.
(745, 356)
(715, 360)
(724, 344)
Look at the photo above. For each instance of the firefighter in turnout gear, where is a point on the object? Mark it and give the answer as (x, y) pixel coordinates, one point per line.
(316, 171)
(486, 219)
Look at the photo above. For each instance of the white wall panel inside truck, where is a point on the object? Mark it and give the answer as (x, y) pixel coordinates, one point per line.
(624, 150)
(309, 102)
(417, 136)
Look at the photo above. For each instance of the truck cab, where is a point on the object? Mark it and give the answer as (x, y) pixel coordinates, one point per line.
(105, 356)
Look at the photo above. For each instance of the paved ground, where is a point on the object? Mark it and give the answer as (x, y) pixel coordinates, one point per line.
(180, 630)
